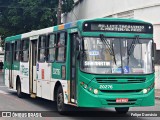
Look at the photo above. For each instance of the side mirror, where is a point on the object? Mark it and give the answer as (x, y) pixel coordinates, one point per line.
(154, 52)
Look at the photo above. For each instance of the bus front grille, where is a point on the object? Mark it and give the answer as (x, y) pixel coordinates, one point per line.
(130, 102)
(120, 80)
(121, 91)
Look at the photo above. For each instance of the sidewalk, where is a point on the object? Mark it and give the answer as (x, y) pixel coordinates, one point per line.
(157, 94)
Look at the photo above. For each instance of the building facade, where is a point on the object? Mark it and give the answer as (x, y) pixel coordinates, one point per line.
(147, 10)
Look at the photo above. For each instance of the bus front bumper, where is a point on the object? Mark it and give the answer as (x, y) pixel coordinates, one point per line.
(88, 99)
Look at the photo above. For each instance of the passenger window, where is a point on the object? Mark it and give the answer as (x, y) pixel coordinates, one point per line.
(42, 49)
(51, 47)
(7, 52)
(17, 51)
(25, 50)
(61, 47)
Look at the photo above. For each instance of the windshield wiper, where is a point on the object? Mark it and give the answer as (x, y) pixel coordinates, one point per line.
(110, 48)
(132, 46)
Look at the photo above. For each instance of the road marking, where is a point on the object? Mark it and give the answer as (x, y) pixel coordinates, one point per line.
(3, 92)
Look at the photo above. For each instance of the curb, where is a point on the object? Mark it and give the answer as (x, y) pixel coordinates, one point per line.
(157, 97)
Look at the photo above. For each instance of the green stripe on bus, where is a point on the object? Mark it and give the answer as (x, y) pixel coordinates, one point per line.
(13, 38)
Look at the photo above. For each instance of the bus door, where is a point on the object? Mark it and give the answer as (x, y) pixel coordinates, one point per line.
(32, 64)
(11, 82)
(73, 65)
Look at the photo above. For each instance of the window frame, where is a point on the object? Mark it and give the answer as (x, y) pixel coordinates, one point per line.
(41, 48)
(52, 47)
(22, 50)
(63, 46)
(7, 45)
(17, 50)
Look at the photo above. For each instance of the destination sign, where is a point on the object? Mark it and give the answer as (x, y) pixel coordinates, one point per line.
(117, 27)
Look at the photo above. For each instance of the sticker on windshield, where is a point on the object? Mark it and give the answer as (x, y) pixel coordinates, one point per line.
(116, 70)
(96, 63)
(126, 69)
(94, 52)
(138, 70)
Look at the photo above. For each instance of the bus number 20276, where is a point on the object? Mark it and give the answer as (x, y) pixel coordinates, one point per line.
(105, 87)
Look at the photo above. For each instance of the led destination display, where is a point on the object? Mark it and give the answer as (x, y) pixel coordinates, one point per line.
(117, 27)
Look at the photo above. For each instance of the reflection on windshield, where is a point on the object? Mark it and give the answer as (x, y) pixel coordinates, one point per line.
(98, 58)
(109, 46)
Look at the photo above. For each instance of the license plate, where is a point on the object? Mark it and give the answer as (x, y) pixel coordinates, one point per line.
(121, 100)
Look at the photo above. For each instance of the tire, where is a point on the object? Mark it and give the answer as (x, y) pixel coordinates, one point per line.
(61, 107)
(19, 92)
(122, 110)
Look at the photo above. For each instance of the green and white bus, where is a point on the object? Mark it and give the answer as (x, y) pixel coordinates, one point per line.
(103, 62)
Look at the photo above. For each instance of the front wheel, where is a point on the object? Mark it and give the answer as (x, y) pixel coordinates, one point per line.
(122, 110)
(19, 92)
(61, 107)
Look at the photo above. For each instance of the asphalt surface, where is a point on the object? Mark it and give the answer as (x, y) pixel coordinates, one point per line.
(47, 109)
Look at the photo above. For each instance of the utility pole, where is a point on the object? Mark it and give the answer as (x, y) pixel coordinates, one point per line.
(59, 11)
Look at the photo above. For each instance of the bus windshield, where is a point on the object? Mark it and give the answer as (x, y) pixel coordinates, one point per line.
(116, 55)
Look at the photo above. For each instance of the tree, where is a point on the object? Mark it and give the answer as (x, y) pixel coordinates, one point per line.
(19, 16)
(67, 5)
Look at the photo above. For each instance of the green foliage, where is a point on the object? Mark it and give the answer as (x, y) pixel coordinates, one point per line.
(67, 5)
(19, 16)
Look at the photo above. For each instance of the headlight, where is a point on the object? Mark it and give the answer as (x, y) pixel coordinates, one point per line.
(89, 88)
(95, 91)
(85, 86)
(145, 91)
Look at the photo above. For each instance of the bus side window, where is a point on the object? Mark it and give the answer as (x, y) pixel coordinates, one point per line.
(61, 46)
(25, 50)
(17, 50)
(51, 47)
(42, 48)
(7, 52)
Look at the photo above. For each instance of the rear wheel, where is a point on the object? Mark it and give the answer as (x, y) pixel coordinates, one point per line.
(61, 107)
(19, 92)
(122, 110)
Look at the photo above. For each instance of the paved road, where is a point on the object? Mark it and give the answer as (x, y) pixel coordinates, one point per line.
(10, 102)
